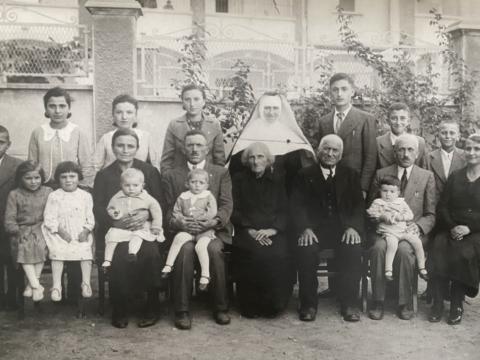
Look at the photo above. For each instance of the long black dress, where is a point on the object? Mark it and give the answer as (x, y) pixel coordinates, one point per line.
(127, 278)
(262, 272)
(459, 260)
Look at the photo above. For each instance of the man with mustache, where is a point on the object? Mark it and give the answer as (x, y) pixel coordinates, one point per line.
(417, 187)
(328, 213)
(220, 185)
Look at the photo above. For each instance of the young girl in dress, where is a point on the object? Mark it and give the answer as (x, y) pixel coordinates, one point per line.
(68, 227)
(23, 220)
(195, 204)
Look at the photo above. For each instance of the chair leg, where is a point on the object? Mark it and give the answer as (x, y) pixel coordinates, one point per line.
(415, 294)
(101, 291)
(20, 289)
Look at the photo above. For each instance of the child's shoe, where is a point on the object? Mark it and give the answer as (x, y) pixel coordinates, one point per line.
(203, 283)
(86, 290)
(423, 274)
(37, 293)
(28, 292)
(167, 269)
(56, 294)
(389, 275)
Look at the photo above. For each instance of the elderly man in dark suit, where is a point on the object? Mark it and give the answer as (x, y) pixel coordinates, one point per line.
(8, 166)
(173, 184)
(355, 127)
(448, 159)
(328, 212)
(418, 189)
(399, 120)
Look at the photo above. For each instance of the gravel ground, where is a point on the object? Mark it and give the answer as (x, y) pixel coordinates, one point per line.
(57, 334)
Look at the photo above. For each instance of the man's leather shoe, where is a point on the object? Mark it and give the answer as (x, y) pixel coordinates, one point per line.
(436, 314)
(120, 323)
(455, 316)
(183, 321)
(221, 317)
(147, 320)
(307, 314)
(405, 313)
(349, 314)
(376, 313)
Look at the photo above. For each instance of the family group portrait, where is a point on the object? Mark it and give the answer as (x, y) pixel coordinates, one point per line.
(239, 179)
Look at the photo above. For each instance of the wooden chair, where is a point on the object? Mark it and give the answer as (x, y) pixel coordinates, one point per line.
(322, 271)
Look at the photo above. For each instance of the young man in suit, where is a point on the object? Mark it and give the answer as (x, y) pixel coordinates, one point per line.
(328, 212)
(355, 127)
(220, 185)
(399, 120)
(8, 166)
(444, 161)
(418, 189)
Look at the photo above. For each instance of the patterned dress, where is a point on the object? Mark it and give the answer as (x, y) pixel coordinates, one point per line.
(73, 211)
(23, 220)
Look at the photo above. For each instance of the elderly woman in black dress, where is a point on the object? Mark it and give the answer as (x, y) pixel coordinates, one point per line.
(456, 250)
(125, 276)
(260, 245)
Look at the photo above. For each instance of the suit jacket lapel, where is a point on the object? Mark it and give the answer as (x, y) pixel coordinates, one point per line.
(386, 148)
(339, 185)
(411, 185)
(348, 124)
(437, 165)
(328, 126)
(6, 169)
(458, 161)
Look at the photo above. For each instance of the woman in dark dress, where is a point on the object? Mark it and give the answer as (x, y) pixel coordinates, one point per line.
(260, 248)
(456, 250)
(127, 277)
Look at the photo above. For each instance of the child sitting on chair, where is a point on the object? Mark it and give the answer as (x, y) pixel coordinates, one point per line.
(392, 214)
(195, 204)
(132, 197)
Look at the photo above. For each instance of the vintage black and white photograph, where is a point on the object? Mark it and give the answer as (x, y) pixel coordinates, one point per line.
(239, 179)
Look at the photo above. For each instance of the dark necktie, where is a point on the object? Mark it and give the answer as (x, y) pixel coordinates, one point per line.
(403, 182)
(339, 122)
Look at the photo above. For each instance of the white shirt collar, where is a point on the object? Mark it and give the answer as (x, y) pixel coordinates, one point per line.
(401, 169)
(393, 138)
(1, 159)
(446, 155)
(64, 133)
(326, 171)
(345, 112)
(189, 195)
(200, 165)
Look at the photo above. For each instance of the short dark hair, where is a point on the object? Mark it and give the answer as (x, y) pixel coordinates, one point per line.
(125, 132)
(57, 91)
(66, 167)
(26, 167)
(194, 132)
(4, 130)
(396, 106)
(193, 87)
(390, 180)
(341, 76)
(125, 98)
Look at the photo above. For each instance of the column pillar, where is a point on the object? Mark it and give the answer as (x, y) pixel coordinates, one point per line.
(466, 42)
(114, 48)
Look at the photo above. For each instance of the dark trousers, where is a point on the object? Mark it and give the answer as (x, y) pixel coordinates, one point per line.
(128, 278)
(438, 284)
(403, 271)
(183, 271)
(9, 297)
(348, 263)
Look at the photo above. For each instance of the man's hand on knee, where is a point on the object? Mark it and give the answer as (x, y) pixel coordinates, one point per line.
(307, 238)
(351, 236)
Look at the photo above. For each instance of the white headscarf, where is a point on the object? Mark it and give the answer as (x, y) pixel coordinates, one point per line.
(282, 135)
